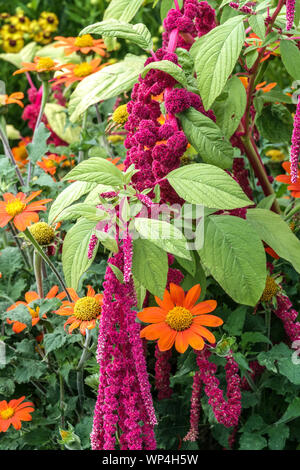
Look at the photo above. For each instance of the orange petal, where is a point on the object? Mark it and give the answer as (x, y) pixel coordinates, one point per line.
(283, 179)
(90, 292)
(74, 325)
(192, 296)
(208, 320)
(52, 292)
(152, 331)
(196, 341)
(23, 220)
(31, 296)
(152, 315)
(286, 166)
(177, 294)
(166, 303)
(73, 294)
(167, 340)
(204, 307)
(202, 331)
(181, 341)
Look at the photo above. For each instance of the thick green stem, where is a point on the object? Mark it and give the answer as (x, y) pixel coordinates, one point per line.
(61, 400)
(84, 356)
(81, 152)
(37, 264)
(18, 243)
(47, 260)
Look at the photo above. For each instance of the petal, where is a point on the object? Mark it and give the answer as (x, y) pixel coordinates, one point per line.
(152, 315)
(4, 219)
(52, 292)
(204, 307)
(4, 424)
(18, 327)
(166, 303)
(181, 341)
(177, 294)
(208, 320)
(166, 341)
(283, 179)
(286, 166)
(202, 331)
(31, 296)
(32, 196)
(15, 402)
(73, 294)
(23, 220)
(192, 296)
(152, 331)
(90, 292)
(196, 341)
(75, 324)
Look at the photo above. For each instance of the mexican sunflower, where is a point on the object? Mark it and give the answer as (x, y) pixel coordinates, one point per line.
(179, 319)
(16, 209)
(14, 98)
(84, 44)
(293, 187)
(40, 64)
(34, 312)
(20, 152)
(51, 162)
(78, 72)
(82, 312)
(14, 412)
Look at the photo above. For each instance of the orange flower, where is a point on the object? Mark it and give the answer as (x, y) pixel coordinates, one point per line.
(20, 153)
(40, 64)
(244, 81)
(79, 71)
(31, 296)
(13, 98)
(82, 312)
(115, 161)
(50, 163)
(17, 209)
(14, 412)
(293, 187)
(271, 252)
(179, 320)
(254, 40)
(84, 44)
(266, 88)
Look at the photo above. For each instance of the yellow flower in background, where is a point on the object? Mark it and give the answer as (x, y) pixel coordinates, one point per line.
(275, 155)
(8, 30)
(43, 37)
(13, 44)
(34, 28)
(20, 21)
(48, 21)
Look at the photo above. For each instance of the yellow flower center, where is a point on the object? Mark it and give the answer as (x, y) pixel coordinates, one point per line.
(179, 318)
(49, 163)
(45, 63)
(15, 207)
(120, 115)
(84, 41)
(83, 69)
(34, 313)
(8, 413)
(271, 289)
(87, 308)
(42, 232)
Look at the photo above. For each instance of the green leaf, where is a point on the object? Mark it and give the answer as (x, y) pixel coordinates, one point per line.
(75, 249)
(69, 195)
(236, 258)
(38, 147)
(150, 266)
(208, 185)
(57, 118)
(257, 24)
(137, 33)
(166, 5)
(25, 55)
(230, 111)
(275, 123)
(278, 436)
(96, 170)
(235, 322)
(21, 314)
(215, 57)
(11, 261)
(117, 272)
(123, 10)
(272, 229)
(53, 341)
(87, 211)
(207, 138)
(140, 292)
(168, 67)
(28, 369)
(188, 264)
(163, 235)
(109, 82)
(292, 412)
(290, 55)
(251, 441)
(253, 337)
(266, 202)
(7, 386)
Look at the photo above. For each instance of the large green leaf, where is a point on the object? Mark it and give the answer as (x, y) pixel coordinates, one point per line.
(290, 55)
(169, 67)
(207, 138)
(208, 185)
(150, 266)
(235, 256)
(137, 33)
(275, 123)
(230, 110)
(107, 83)
(38, 147)
(277, 234)
(57, 118)
(215, 56)
(75, 250)
(257, 24)
(96, 170)
(69, 195)
(87, 211)
(25, 55)
(123, 10)
(163, 235)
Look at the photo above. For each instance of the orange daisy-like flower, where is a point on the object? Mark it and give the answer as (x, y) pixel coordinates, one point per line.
(179, 320)
(14, 98)
(84, 44)
(82, 312)
(20, 152)
(254, 40)
(50, 163)
(14, 412)
(40, 64)
(78, 72)
(34, 312)
(293, 187)
(265, 88)
(115, 162)
(16, 209)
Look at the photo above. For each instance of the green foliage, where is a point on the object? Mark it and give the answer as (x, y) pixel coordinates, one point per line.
(275, 123)
(290, 57)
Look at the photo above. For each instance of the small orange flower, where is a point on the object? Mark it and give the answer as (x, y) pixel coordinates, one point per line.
(40, 64)
(82, 312)
(14, 98)
(179, 320)
(254, 40)
(293, 187)
(17, 209)
(266, 88)
(20, 152)
(244, 81)
(271, 252)
(31, 296)
(84, 44)
(115, 161)
(78, 72)
(14, 412)
(50, 163)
